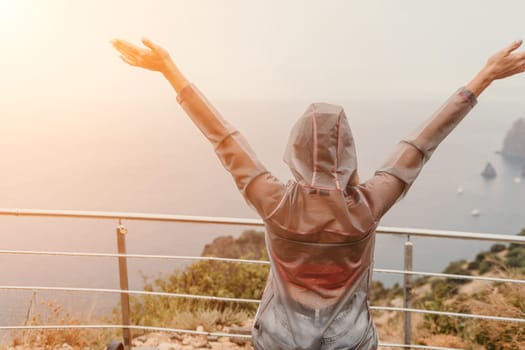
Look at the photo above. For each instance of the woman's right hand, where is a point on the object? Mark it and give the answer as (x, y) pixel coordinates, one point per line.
(152, 57)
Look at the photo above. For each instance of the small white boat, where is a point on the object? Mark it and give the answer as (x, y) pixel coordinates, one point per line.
(460, 190)
(475, 212)
(518, 180)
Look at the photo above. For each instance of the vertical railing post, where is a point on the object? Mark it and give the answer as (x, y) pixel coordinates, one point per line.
(407, 286)
(123, 277)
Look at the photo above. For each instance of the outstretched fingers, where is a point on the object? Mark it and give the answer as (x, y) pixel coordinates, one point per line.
(519, 61)
(506, 51)
(150, 44)
(521, 66)
(129, 60)
(127, 48)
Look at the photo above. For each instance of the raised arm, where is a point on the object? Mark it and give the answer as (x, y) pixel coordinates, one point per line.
(259, 187)
(398, 173)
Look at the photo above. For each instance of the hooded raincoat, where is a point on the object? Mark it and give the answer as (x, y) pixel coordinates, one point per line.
(320, 227)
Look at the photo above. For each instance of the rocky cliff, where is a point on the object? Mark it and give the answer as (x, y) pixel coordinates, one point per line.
(250, 244)
(514, 143)
(489, 172)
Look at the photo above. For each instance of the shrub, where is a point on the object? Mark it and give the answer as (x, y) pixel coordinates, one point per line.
(457, 268)
(481, 256)
(485, 266)
(496, 248)
(516, 256)
(516, 245)
(212, 278)
(473, 265)
(516, 261)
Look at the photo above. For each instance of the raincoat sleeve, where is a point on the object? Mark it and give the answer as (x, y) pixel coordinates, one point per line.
(260, 189)
(394, 178)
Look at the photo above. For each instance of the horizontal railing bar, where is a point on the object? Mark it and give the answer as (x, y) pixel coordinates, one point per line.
(111, 326)
(476, 236)
(133, 292)
(413, 346)
(144, 256)
(453, 314)
(452, 276)
(81, 214)
(134, 256)
(254, 301)
(249, 222)
(262, 262)
(186, 331)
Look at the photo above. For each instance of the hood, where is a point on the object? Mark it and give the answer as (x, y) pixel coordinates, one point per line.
(321, 151)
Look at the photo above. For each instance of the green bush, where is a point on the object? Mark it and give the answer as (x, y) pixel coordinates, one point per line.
(443, 289)
(516, 245)
(209, 278)
(516, 255)
(485, 266)
(496, 248)
(457, 268)
(473, 265)
(481, 256)
(516, 261)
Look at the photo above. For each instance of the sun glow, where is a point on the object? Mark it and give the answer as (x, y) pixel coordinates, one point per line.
(8, 11)
(16, 15)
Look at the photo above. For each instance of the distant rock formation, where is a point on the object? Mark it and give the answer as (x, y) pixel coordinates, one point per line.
(514, 143)
(250, 244)
(489, 172)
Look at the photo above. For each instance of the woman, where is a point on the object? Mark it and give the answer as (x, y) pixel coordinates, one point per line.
(320, 226)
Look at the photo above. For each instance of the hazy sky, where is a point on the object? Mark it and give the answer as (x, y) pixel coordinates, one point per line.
(320, 50)
(81, 130)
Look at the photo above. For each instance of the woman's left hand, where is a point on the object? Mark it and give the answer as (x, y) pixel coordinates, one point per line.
(506, 63)
(152, 57)
(502, 64)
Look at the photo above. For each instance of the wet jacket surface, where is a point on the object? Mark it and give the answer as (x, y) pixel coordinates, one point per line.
(320, 227)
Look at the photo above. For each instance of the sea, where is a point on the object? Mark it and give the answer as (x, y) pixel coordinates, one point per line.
(146, 156)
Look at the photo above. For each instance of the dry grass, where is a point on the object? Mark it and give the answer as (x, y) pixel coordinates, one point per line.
(495, 299)
(505, 300)
(444, 340)
(52, 313)
(209, 319)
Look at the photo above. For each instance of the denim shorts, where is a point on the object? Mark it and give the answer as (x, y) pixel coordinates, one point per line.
(351, 329)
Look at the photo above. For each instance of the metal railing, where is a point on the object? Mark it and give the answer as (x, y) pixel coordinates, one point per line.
(124, 291)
